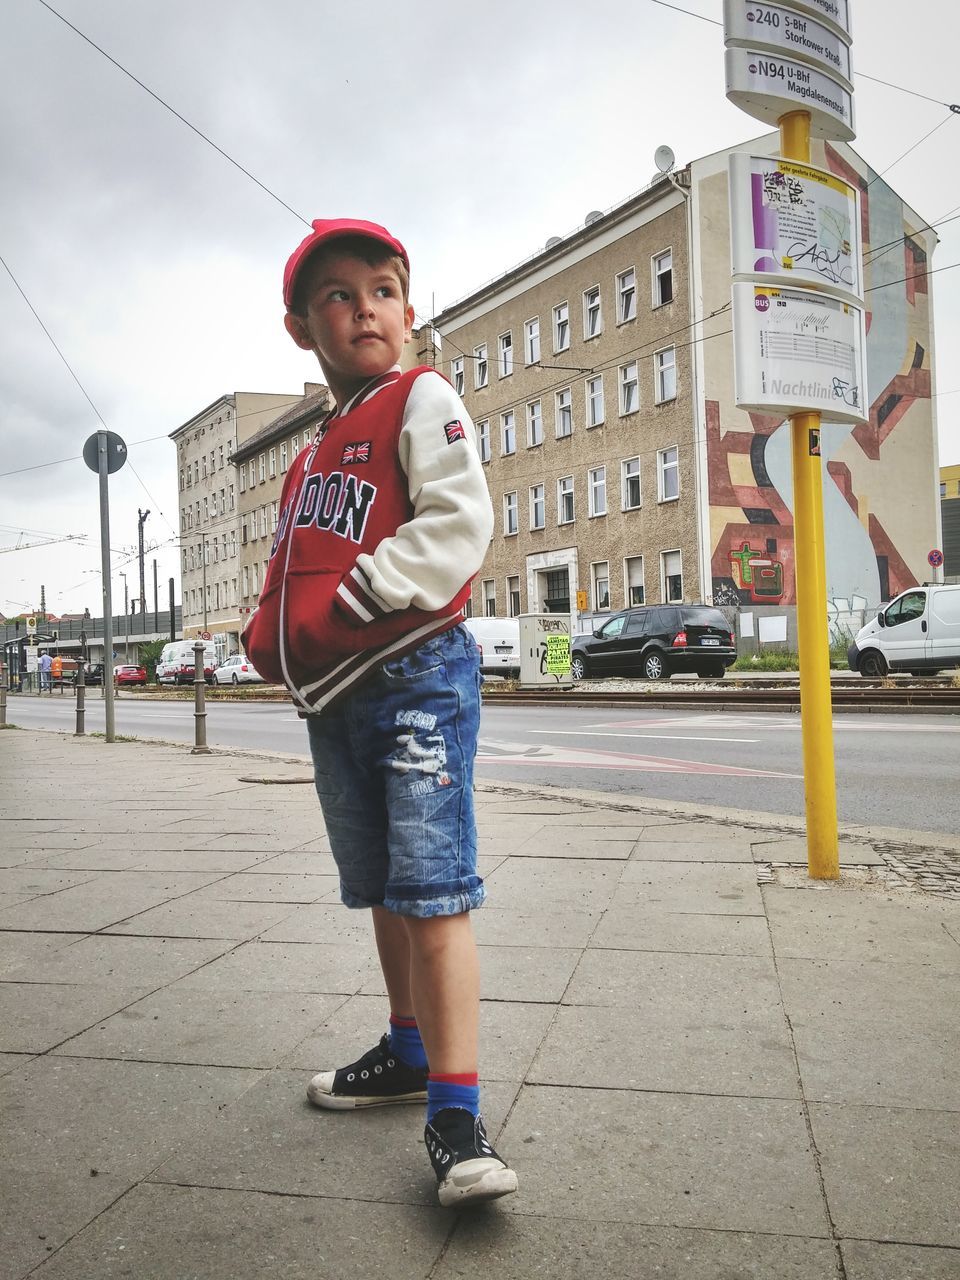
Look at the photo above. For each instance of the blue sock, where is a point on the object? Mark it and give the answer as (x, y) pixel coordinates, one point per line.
(452, 1091)
(405, 1042)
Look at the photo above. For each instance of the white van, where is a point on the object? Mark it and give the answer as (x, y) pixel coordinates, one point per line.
(176, 662)
(498, 640)
(918, 632)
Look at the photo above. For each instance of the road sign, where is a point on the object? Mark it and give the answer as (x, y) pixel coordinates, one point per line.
(832, 13)
(203, 635)
(767, 86)
(581, 600)
(31, 626)
(799, 351)
(794, 224)
(935, 558)
(116, 452)
(779, 28)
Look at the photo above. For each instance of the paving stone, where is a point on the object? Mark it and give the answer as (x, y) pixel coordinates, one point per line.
(269, 886)
(874, 1032)
(622, 1048)
(101, 901)
(864, 1260)
(301, 862)
(794, 849)
(237, 1029)
(321, 968)
(496, 926)
(514, 1247)
(11, 1061)
(729, 1164)
(273, 1140)
(20, 948)
(716, 889)
(191, 917)
(36, 1016)
(702, 833)
(526, 973)
(167, 1231)
(856, 926)
(627, 928)
(890, 1174)
(647, 850)
(84, 1133)
(323, 922)
(555, 882)
(554, 844)
(102, 959)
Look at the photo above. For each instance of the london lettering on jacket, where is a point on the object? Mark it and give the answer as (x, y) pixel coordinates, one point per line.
(336, 502)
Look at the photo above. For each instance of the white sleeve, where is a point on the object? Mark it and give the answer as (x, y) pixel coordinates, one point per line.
(428, 560)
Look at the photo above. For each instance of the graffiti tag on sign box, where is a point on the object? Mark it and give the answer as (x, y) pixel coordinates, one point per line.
(795, 224)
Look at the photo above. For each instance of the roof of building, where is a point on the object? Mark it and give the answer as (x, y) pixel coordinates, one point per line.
(307, 410)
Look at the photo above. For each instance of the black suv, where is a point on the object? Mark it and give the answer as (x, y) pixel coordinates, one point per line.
(655, 642)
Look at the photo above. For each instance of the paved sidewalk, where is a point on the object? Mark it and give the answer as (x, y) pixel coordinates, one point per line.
(701, 1065)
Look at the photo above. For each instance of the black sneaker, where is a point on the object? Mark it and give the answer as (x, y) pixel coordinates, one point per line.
(467, 1167)
(374, 1080)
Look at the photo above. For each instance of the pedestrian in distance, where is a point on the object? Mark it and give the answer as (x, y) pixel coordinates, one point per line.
(45, 663)
(383, 523)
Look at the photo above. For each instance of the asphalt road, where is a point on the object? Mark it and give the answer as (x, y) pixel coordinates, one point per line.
(897, 771)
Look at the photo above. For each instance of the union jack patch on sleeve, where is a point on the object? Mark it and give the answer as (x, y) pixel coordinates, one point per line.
(359, 451)
(454, 431)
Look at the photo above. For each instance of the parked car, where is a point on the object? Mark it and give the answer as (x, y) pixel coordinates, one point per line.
(93, 673)
(498, 640)
(918, 632)
(238, 669)
(176, 662)
(656, 642)
(127, 674)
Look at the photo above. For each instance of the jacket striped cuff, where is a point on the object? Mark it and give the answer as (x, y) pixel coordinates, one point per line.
(357, 598)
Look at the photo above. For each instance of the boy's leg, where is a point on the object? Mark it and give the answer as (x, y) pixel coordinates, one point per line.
(445, 987)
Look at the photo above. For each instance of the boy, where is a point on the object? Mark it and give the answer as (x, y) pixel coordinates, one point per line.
(383, 523)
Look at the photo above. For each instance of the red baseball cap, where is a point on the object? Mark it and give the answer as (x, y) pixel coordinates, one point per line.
(326, 229)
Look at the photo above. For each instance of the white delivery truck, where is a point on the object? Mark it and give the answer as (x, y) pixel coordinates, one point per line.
(175, 664)
(498, 640)
(918, 632)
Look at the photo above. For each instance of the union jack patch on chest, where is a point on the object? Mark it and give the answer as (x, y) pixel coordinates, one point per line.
(454, 431)
(359, 451)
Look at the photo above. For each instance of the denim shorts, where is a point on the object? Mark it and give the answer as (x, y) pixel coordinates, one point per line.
(393, 765)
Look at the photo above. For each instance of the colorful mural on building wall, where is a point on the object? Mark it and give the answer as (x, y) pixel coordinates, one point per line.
(752, 555)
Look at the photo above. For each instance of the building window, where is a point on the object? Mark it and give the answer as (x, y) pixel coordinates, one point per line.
(505, 351)
(629, 388)
(221, 458)
(600, 581)
(294, 447)
(626, 296)
(204, 460)
(564, 412)
(456, 374)
(481, 369)
(592, 322)
(633, 579)
(508, 433)
(534, 424)
(252, 473)
(531, 340)
(489, 597)
(665, 375)
(595, 401)
(510, 524)
(283, 457)
(538, 506)
(483, 440)
(273, 517)
(263, 522)
(233, 499)
(561, 326)
(243, 479)
(262, 467)
(565, 500)
(671, 570)
(943, 488)
(206, 510)
(630, 484)
(663, 278)
(306, 438)
(668, 474)
(233, 544)
(513, 596)
(256, 578)
(597, 491)
(273, 463)
(181, 480)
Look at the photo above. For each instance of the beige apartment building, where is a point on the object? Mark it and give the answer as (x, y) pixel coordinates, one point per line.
(208, 496)
(599, 373)
(575, 367)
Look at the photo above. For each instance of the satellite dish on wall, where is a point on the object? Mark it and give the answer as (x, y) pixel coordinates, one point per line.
(593, 216)
(664, 159)
(552, 241)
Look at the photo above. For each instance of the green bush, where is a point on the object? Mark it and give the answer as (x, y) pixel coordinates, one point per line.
(773, 661)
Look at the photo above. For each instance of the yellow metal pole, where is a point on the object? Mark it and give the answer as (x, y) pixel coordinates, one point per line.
(820, 787)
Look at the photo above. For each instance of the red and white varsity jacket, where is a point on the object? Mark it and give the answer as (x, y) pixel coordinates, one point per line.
(383, 523)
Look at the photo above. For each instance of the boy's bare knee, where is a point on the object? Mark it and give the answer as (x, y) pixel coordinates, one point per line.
(432, 935)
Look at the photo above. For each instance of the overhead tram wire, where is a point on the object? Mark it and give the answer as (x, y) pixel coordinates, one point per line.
(183, 120)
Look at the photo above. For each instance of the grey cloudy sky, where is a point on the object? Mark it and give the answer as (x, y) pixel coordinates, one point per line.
(473, 132)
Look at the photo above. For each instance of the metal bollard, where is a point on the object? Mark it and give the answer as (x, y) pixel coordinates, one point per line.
(199, 702)
(81, 696)
(3, 695)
